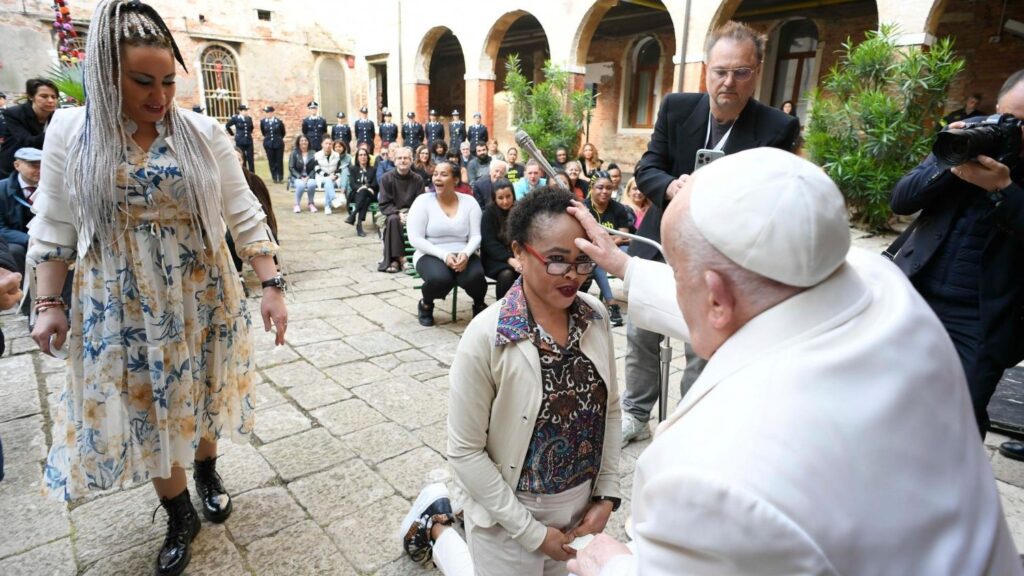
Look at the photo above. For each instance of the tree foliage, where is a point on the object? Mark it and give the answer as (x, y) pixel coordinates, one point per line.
(551, 112)
(874, 117)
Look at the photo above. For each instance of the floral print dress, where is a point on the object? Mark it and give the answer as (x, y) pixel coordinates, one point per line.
(160, 346)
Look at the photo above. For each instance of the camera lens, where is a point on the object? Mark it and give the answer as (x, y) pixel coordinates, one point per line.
(954, 147)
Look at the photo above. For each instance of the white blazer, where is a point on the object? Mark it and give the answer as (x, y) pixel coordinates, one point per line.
(832, 434)
(53, 224)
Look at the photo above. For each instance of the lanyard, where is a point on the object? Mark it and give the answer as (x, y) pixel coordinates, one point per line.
(721, 143)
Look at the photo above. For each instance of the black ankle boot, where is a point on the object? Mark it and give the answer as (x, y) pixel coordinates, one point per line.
(351, 218)
(210, 488)
(426, 313)
(182, 527)
(359, 229)
(478, 307)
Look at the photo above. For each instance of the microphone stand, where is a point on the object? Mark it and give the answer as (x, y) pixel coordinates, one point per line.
(665, 353)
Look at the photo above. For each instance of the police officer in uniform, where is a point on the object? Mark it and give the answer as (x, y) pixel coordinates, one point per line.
(366, 131)
(273, 131)
(477, 132)
(314, 127)
(435, 130)
(342, 131)
(388, 130)
(240, 126)
(412, 131)
(457, 130)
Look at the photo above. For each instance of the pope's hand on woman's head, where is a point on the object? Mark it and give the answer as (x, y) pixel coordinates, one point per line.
(601, 248)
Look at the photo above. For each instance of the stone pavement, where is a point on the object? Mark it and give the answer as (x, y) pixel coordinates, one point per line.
(350, 425)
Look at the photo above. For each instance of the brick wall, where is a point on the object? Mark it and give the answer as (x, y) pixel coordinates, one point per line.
(989, 63)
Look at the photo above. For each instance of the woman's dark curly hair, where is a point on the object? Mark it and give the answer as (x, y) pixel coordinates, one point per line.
(528, 213)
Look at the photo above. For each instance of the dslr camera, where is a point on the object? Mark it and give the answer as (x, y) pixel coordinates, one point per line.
(998, 137)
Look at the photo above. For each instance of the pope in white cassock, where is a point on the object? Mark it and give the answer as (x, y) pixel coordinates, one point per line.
(867, 458)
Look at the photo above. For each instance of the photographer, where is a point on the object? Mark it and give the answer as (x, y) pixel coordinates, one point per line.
(965, 254)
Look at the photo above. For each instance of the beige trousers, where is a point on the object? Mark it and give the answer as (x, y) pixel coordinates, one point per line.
(494, 551)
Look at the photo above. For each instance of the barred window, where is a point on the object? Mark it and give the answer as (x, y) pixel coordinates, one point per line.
(220, 83)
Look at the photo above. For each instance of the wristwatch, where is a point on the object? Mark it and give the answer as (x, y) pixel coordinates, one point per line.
(616, 502)
(275, 282)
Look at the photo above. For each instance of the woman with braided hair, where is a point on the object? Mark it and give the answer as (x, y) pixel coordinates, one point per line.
(136, 192)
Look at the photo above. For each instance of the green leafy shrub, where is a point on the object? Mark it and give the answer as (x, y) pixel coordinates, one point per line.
(874, 117)
(551, 112)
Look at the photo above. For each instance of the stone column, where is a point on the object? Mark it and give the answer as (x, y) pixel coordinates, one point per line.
(480, 98)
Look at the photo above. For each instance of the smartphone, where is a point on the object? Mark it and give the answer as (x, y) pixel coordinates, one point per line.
(705, 157)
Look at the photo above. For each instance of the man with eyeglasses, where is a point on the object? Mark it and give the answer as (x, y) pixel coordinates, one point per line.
(726, 119)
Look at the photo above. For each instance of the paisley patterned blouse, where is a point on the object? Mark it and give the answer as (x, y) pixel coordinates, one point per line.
(568, 437)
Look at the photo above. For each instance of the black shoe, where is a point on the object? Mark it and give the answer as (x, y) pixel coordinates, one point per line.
(614, 315)
(359, 229)
(426, 313)
(351, 218)
(1012, 449)
(210, 488)
(182, 527)
(478, 307)
(431, 507)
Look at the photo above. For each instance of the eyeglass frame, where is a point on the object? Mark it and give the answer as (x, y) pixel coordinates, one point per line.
(724, 73)
(570, 265)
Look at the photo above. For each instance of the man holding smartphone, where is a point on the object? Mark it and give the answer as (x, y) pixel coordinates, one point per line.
(725, 120)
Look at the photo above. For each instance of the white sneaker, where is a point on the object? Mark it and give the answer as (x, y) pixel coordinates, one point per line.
(327, 209)
(633, 429)
(431, 506)
(312, 208)
(297, 209)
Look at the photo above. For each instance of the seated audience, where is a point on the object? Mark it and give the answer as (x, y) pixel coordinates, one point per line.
(495, 249)
(398, 189)
(302, 167)
(327, 173)
(17, 192)
(483, 188)
(444, 228)
(609, 214)
(25, 124)
(362, 185)
(577, 184)
(515, 169)
(532, 181)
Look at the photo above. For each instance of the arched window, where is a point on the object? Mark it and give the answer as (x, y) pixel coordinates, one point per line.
(642, 90)
(332, 89)
(220, 83)
(798, 48)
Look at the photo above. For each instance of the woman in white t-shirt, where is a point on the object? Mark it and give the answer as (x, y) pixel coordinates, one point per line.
(444, 228)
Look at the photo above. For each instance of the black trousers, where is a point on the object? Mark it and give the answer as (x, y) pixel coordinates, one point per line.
(504, 280)
(963, 323)
(362, 198)
(247, 155)
(439, 279)
(275, 158)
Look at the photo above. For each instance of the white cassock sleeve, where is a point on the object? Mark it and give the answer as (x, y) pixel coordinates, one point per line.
(652, 298)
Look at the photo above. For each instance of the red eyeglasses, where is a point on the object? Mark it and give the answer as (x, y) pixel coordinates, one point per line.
(562, 268)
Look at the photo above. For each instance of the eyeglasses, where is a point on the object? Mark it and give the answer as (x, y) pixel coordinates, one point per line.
(562, 268)
(740, 74)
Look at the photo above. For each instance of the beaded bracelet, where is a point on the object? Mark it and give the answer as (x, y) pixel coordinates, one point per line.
(44, 302)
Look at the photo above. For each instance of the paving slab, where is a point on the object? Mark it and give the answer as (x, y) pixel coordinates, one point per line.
(299, 549)
(351, 535)
(335, 493)
(262, 512)
(383, 441)
(53, 559)
(348, 416)
(305, 453)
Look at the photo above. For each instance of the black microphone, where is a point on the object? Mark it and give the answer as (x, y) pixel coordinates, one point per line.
(525, 142)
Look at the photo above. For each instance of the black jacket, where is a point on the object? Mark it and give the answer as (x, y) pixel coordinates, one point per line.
(6, 261)
(23, 130)
(362, 178)
(494, 253)
(296, 166)
(483, 191)
(680, 131)
(941, 198)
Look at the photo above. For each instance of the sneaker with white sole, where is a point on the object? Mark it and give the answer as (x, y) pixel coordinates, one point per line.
(297, 209)
(327, 209)
(312, 208)
(431, 507)
(634, 429)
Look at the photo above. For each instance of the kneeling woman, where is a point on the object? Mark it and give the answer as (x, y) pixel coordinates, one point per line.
(533, 414)
(444, 228)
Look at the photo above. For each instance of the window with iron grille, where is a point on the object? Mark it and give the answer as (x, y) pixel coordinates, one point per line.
(220, 83)
(263, 15)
